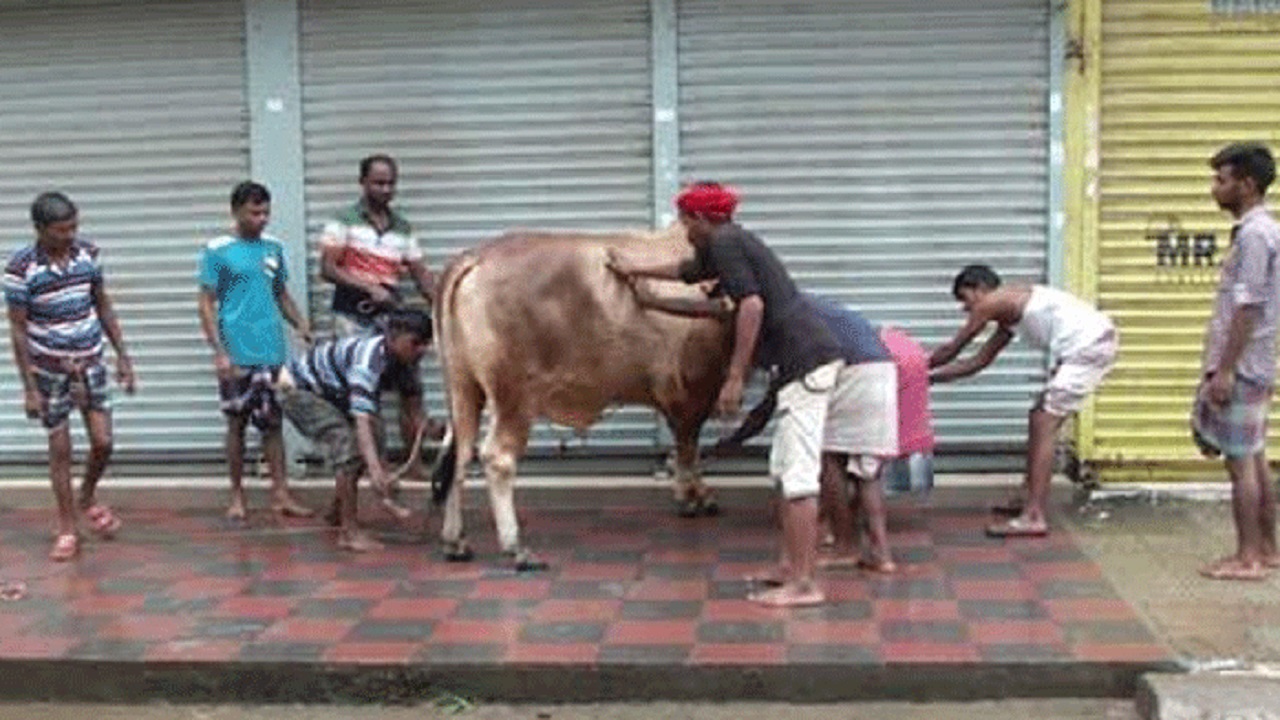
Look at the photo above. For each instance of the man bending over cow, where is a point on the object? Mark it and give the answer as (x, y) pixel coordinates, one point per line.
(330, 394)
(792, 340)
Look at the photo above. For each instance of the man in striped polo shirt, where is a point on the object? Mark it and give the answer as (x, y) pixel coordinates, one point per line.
(365, 251)
(331, 395)
(58, 311)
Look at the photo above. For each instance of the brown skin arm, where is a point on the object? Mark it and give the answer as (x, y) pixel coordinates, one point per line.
(975, 362)
(423, 278)
(367, 442)
(1242, 324)
(984, 313)
(111, 326)
(664, 271)
(716, 309)
(746, 333)
(22, 357)
(209, 325)
(290, 311)
(333, 272)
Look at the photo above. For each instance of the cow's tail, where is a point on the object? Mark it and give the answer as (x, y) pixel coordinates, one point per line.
(445, 466)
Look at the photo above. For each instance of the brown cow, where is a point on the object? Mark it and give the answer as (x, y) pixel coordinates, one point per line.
(534, 325)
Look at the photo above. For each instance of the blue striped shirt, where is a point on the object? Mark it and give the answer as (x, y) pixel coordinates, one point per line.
(60, 302)
(347, 372)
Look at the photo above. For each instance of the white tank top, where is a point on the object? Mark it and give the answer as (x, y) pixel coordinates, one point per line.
(1060, 322)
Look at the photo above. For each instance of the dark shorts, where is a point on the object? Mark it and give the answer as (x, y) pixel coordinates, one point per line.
(86, 388)
(320, 422)
(251, 393)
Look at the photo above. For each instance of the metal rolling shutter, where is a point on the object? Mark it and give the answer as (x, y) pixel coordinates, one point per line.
(880, 146)
(137, 111)
(1179, 79)
(501, 113)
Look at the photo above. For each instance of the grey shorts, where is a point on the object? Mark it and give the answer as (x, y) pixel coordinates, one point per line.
(327, 426)
(84, 388)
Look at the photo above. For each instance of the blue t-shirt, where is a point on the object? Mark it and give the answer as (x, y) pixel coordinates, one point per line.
(858, 339)
(245, 275)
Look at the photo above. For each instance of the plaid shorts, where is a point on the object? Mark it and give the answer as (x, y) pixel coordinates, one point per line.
(1236, 430)
(85, 388)
(251, 392)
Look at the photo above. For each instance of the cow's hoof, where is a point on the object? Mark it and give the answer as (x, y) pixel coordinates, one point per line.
(525, 561)
(458, 552)
(709, 507)
(688, 508)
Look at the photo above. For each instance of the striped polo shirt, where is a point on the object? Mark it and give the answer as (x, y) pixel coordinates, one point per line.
(350, 373)
(62, 315)
(373, 255)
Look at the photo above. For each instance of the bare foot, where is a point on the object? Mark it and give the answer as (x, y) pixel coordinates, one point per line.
(1233, 568)
(840, 561)
(237, 511)
(358, 541)
(882, 567)
(789, 595)
(1272, 560)
(288, 507)
(773, 577)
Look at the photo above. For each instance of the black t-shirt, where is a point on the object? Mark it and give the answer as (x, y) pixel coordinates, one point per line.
(793, 339)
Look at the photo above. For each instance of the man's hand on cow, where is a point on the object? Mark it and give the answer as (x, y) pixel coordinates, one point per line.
(730, 401)
(618, 267)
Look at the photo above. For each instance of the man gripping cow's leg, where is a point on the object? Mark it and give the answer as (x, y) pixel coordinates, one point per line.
(794, 342)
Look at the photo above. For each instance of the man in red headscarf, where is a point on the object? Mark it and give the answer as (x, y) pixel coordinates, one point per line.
(773, 327)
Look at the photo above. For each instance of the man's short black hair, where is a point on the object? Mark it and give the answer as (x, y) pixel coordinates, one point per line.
(1248, 160)
(408, 320)
(366, 165)
(975, 276)
(52, 207)
(249, 192)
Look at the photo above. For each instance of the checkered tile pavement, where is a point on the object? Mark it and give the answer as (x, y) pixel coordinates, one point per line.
(627, 585)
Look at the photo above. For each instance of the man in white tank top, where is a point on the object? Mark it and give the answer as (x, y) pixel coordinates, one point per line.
(1082, 346)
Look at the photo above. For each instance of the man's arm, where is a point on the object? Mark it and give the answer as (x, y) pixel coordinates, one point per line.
(22, 357)
(111, 326)
(628, 272)
(332, 271)
(289, 309)
(367, 443)
(714, 308)
(209, 325)
(423, 278)
(975, 362)
(973, 325)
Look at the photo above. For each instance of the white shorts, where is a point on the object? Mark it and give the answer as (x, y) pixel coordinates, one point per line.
(863, 416)
(1077, 376)
(795, 459)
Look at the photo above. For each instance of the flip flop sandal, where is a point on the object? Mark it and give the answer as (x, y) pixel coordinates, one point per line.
(102, 521)
(1016, 527)
(65, 548)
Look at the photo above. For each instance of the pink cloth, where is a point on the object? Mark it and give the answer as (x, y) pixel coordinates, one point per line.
(915, 421)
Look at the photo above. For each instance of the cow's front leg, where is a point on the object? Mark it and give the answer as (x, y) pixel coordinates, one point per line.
(693, 497)
(502, 449)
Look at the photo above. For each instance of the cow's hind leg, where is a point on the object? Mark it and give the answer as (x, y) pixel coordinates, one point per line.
(693, 497)
(508, 435)
(465, 403)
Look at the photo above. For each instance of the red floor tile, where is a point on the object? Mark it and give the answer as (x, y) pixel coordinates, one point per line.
(566, 654)
(307, 630)
(833, 632)
(151, 628)
(36, 647)
(993, 590)
(198, 588)
(740, 610)
(1016, 632)
(1089, 609)
(928, 652)
(372, 653)
(594, 571)
(917, 610)
(475, 632)
(512, 589)
(1041, 572)
(652, 632)
(254, 607)
(200, 650)
(106, 604)
(1120, 652)
(362, 589)
(662, 589)
(413, 609)
(577, 610)
(738, 654)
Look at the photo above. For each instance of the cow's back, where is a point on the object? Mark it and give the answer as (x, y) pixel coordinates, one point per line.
(539, 322)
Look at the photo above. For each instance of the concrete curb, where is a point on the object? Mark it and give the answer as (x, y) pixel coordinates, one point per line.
(1208, 696)
(308, 682)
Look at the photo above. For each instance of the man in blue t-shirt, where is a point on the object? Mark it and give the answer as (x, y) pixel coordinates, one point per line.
(243, 303)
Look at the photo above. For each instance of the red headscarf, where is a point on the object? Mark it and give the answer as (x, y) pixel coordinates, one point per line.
(711, 200)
